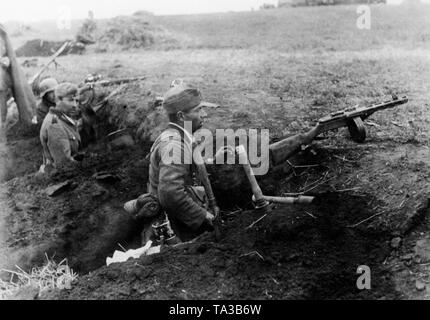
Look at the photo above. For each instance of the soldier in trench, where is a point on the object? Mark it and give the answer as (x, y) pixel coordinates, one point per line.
(171, 190)
(170, 187)
(59, 133)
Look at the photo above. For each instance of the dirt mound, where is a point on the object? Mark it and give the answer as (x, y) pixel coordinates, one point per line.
(84, 220)
(132, 32)
(38, 48)
(134, 109)
(44, 48)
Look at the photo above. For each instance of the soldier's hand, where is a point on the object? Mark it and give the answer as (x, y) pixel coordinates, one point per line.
(209, 218)
(4, 62)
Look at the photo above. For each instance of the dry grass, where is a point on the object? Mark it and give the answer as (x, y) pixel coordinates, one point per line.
(50, 276)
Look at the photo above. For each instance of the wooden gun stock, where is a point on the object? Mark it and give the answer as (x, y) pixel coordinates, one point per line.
(201, 168)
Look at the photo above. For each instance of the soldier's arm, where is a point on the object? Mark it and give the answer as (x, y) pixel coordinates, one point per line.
(171, 189)
(59, 144)
(47, 158)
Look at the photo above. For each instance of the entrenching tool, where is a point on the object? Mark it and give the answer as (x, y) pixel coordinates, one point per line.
(260, 203)
(288, 200)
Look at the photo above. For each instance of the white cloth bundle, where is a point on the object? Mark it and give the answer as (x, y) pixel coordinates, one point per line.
(121, 256)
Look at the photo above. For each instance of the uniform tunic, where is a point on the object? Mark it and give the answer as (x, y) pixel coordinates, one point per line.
(171, 182)
(59, 137)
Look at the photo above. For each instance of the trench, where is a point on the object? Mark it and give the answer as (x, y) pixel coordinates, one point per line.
(312, 250)
(300, 256)
(312, 256)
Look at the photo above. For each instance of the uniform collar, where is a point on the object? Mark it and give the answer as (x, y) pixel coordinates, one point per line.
(70, 119)
(63, 116)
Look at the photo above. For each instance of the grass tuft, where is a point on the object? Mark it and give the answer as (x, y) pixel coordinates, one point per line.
(52, 275)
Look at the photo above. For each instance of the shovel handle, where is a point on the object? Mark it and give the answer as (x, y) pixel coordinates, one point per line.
(288, 200)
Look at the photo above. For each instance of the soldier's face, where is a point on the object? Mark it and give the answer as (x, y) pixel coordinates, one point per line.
(196, 116)
(69, 105)
(50, 96)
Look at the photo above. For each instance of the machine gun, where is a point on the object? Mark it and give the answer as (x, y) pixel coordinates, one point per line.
(351, 117)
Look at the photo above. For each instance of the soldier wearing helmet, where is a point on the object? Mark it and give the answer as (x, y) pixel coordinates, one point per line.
(59, 134)
(47, 95)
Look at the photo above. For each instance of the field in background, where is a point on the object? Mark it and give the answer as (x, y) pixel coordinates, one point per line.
(330, 28)
(283, 69)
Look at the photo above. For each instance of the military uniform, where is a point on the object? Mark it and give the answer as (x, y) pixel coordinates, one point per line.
(171, 173)
(43, 109)
(59, 137)
(172, 183)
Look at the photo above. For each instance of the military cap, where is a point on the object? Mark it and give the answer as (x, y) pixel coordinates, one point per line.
(66, 89)
(183, 98)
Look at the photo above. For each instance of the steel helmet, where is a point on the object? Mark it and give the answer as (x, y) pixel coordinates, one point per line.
(47, 85)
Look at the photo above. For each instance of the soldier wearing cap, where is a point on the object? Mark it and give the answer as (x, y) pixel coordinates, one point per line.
(59, 133)
(170, 174)
(47, 95)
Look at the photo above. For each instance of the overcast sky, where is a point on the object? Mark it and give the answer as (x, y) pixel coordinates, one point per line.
(27, 10)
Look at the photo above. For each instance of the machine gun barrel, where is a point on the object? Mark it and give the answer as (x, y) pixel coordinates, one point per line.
(105, 83)
(338, 119)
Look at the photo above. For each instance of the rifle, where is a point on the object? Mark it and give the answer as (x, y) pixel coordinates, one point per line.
(93, 80)
(51, 60)
(350, 117)
(87, 89)
(203, 174)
